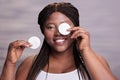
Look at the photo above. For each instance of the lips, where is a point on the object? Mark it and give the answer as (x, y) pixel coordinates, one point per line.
(59, 40)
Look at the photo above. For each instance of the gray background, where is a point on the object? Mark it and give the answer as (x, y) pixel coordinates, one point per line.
(18, 21)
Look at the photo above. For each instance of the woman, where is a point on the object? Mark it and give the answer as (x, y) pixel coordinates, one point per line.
(62, 57)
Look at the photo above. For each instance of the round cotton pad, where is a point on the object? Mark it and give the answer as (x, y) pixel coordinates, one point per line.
(35, 42)
(63, 27)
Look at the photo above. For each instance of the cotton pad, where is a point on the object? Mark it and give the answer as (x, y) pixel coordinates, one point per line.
(35, 42)
(63, 27)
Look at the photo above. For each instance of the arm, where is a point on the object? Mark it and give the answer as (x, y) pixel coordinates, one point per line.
(22, 71)
(8, 71)
(96, 65)
(14, 52)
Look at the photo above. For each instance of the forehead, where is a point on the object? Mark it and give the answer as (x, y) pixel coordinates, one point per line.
(57, 16)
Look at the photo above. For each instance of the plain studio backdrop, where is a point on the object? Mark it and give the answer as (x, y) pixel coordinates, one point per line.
(18, 21)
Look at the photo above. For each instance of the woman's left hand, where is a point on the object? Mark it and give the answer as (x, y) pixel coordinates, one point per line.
(82, 36)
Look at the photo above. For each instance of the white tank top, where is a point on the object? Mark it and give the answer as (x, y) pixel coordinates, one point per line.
(73, 75)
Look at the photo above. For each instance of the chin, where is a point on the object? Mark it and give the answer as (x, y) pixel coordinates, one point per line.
(62, 49)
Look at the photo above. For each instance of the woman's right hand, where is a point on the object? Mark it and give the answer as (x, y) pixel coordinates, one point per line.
(15, 50)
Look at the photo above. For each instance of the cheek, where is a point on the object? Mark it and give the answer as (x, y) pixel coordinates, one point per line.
(48, 35)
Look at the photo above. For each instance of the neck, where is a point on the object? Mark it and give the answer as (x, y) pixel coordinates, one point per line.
(61, 62)
(65, 55)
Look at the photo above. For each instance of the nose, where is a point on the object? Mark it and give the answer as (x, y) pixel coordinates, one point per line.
(57, 33)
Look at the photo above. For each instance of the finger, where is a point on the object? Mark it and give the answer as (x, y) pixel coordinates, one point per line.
(83, 35)
(77, 31)
(74, 29)
(75, 34)
(20, 43)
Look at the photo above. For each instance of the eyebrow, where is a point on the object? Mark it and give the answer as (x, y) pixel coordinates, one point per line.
(64, 21)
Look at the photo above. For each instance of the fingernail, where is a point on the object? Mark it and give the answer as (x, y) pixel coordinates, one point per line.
(28, 45)
(69, 29)
(71, 37)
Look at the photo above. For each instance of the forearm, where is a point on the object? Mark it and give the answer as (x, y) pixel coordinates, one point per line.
(8, 72)
(96, 67)
(15, 50)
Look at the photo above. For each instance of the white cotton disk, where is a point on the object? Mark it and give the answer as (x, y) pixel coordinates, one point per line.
(63, 27)
(34, 41)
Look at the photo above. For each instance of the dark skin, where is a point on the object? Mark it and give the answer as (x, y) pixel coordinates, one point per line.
(61, 53)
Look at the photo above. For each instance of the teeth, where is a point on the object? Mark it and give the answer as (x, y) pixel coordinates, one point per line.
(60, 40)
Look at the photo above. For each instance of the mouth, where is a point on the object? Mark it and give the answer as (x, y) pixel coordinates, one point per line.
(59, 40)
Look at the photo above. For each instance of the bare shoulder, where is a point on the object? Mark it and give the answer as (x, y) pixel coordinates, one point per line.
(24, 68)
